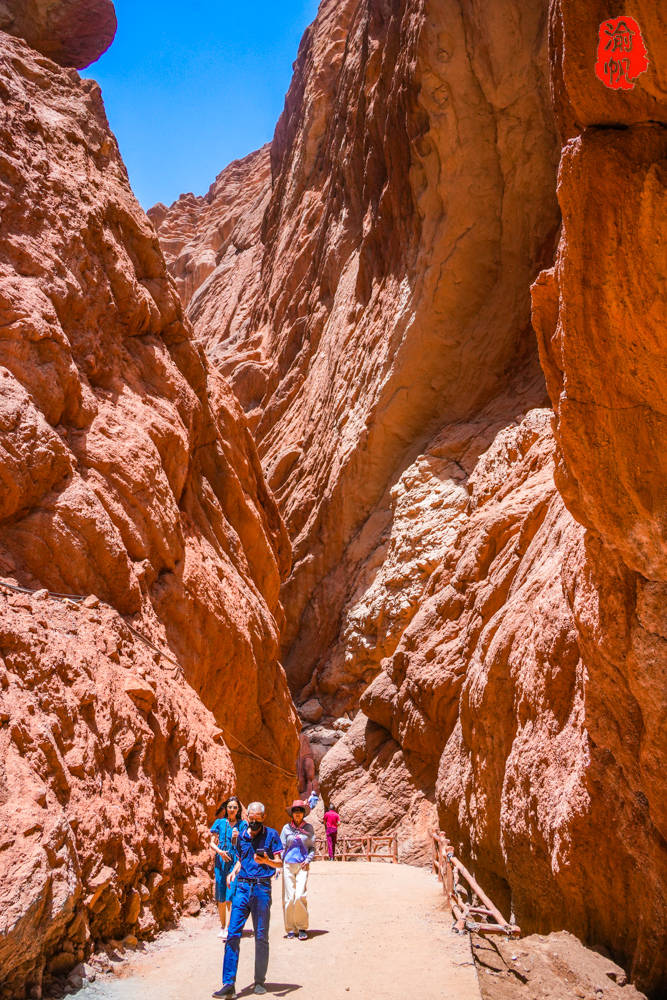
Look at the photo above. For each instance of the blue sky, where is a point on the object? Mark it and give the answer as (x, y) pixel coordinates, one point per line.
(190, 87)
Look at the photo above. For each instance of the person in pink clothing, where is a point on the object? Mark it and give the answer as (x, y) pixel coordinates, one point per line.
(331, 821)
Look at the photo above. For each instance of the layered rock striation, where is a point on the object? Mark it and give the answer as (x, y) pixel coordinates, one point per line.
(382, 303)
(129, 474)
(475, 632)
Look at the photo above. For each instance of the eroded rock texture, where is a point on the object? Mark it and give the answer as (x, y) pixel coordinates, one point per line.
(127, 472)
(475, 624)
(385, 302)
(71, 32)
(214, 253)
(110, 768)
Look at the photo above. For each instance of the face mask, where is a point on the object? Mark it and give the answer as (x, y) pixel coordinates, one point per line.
(255, 825)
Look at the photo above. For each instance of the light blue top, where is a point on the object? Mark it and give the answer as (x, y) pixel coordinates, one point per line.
(299, 843)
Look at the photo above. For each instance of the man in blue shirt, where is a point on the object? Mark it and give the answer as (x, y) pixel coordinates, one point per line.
(260, 849)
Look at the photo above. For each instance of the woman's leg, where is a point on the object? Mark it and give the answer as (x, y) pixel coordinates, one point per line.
(301, 899)
(334, 838)
(220, 892)
(330, 845)
(289, 896)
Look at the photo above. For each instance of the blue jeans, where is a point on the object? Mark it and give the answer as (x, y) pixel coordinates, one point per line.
(255, 900)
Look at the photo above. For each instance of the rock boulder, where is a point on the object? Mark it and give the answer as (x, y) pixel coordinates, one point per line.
(71, 32)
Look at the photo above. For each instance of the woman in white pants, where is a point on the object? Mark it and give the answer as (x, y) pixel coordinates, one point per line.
(298, 838)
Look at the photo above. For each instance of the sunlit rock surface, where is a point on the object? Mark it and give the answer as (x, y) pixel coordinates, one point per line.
(382, 302)
(127, 472)
(474, 614)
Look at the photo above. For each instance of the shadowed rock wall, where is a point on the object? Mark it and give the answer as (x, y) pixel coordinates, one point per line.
(71, 32)
(127, 472)
(382, 302)
(474, 611)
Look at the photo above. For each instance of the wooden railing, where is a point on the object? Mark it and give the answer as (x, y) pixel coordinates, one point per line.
(471, 907)
(360, 849)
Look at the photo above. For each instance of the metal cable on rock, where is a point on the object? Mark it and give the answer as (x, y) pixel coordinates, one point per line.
(251, 753)
(77, 598)
(51, 593)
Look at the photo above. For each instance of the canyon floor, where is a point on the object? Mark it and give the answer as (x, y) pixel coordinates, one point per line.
(377, 931)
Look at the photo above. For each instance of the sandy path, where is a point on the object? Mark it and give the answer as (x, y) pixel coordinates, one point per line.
(378, 931)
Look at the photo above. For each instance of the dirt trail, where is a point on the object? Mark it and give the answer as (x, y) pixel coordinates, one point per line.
(379, 931)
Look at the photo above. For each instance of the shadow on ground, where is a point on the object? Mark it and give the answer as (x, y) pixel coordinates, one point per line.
(276, 989)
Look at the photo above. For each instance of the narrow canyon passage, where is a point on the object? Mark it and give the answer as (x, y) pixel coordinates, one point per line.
(353, 466)
(376, 930)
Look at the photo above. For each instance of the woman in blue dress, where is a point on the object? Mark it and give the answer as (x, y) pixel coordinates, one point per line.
(226, 828)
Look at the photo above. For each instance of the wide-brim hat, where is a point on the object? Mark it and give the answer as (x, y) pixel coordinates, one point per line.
(298, 804)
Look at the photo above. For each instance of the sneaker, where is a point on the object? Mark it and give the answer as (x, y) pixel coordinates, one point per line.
(290, 934)
(303, 936)
(260, 988)
(227, 990)
(222, 933)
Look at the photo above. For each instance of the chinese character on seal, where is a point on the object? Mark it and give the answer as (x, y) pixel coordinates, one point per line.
(621, 55)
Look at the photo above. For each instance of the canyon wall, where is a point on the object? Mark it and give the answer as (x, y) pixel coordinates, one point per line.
(380, 301)
(475, 625)
(128, 476)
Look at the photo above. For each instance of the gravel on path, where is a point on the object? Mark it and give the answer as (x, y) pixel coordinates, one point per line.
(376, 930)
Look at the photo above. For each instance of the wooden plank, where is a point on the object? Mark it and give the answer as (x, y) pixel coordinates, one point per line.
(473, 885)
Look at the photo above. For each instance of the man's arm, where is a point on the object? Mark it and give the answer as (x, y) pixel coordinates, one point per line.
(264, 859)
(273, 844)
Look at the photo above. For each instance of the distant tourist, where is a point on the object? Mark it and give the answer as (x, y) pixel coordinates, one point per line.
(313, 799)
(331, 821)
(298, 839)
(226, 828)
(259, 855)
(305, 766)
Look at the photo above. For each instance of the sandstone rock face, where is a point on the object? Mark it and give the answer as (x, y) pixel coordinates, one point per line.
(496, 472)
(481, 586)
(498, 703)
(71, 32)
(214, 253)
(384, 302)
(600, 318)
(601, 312)
(128, 473)
(105, 797)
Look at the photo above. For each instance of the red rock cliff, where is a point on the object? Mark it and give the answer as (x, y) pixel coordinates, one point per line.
(382, 303)
(128, 472)
(483, 599)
